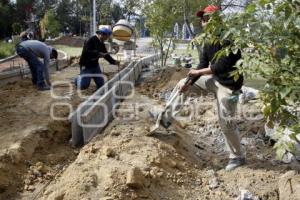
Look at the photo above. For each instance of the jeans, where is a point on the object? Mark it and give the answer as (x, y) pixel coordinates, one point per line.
(84, 79)
(35, 65)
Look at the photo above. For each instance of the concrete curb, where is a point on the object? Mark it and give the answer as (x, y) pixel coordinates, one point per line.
(23, 71)
(94, 114)
(8, 58)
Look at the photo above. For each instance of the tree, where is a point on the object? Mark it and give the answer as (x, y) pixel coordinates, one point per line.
(117, 13)
(49, 24)
(105, 11)
(268, 34)
(17, 28)
(42, 6)
(6, 18)
(161, 22)
(66, 13)
(131, 8)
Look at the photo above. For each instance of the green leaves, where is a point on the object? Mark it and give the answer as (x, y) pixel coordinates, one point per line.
(50, 24)
(280, 151)
(263, 2)
(267, 32)
(285, 91)
(251, 8)
(161, 23)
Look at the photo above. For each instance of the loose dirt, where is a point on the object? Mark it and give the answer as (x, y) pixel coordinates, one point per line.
(33, 146)
(69, 41)
(175, 164)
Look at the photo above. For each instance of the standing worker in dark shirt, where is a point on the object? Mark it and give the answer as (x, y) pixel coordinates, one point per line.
(93, 49)
(212, 75)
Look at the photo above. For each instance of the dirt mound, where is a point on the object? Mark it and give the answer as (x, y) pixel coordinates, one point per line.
(29, 135)
(68, 41)
(34, 145)
(161, 81)
(44, 146)
(124, 163)
(105, 167)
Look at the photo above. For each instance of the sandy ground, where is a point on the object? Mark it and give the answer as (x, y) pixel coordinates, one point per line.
(124, 162)
(28, 133)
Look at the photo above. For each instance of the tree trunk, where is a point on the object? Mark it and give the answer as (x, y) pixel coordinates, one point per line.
(161, 52)
(171, 39)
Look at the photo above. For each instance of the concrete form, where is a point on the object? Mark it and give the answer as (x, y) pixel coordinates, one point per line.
(94, 114)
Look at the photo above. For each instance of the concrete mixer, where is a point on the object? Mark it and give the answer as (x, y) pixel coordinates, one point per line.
(122, 30)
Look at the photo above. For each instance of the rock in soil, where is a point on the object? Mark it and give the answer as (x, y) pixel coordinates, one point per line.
(135, 178)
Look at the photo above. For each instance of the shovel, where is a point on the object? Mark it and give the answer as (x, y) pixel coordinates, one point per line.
(159, 118)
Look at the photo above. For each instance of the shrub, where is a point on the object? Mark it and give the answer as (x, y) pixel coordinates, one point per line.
(6, 49)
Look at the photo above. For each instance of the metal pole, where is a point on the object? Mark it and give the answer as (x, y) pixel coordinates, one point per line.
(134, 51)
(94, 16)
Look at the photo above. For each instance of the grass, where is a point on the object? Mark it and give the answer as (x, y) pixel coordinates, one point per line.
(184, 52)
(71, 51)
(257, 83)
(6, 49)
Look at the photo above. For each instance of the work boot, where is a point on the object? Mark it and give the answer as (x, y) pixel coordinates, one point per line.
(43, 88)
(155, 115)
(234, 163)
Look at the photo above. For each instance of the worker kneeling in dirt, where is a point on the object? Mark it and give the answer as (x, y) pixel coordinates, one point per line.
(31, 51)
(214, 76)
(93, 49)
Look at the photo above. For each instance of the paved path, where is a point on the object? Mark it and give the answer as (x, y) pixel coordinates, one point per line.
(144, 46)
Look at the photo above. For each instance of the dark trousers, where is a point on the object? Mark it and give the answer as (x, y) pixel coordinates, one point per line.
(84, 79)
(35, 65)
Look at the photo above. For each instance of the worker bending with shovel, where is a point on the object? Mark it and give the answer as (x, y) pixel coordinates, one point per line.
(214, 76)
(93, 49)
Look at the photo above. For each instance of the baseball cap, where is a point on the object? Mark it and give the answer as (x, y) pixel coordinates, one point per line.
(207, 10)
(104, 31)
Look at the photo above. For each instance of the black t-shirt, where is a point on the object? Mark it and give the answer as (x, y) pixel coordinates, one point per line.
(222, 67)
(91, 52)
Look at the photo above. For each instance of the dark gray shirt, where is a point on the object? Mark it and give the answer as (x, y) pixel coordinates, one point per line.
(41, 50)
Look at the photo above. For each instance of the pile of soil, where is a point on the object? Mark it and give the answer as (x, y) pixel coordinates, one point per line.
(34, 147)
(68, 41)
(124, 162)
